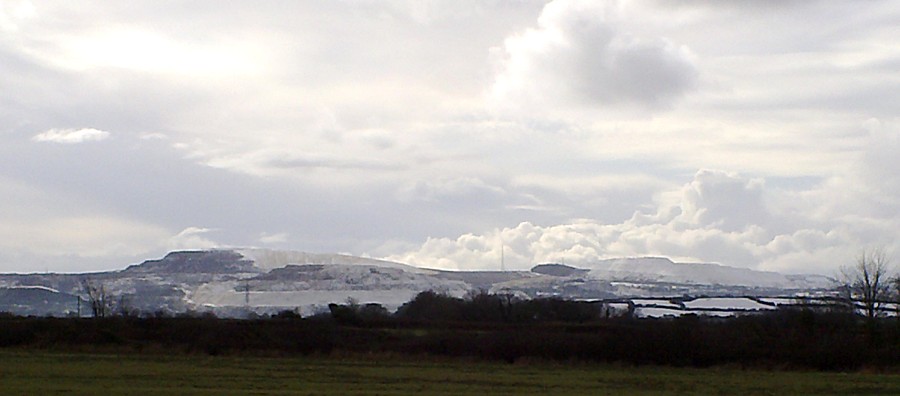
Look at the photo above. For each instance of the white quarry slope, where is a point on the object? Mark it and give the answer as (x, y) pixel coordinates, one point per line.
(306, 280)
(309, 282)
(351, 277)
(657, 269)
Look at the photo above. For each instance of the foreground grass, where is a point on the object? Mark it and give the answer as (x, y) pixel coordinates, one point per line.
(37, 372)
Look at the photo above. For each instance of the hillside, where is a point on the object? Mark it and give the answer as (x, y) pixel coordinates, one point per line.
(235, 282)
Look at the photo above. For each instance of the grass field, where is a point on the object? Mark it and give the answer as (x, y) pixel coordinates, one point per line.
(45, 373)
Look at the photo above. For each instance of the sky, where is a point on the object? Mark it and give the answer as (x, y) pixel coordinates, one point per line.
(446, 134)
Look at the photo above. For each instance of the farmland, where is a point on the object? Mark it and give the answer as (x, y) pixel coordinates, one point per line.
(44, 372)
(350, 352)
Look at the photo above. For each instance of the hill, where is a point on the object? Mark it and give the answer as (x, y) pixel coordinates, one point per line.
(233, 282)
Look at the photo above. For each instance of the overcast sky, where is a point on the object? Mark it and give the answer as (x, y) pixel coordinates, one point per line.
(758, 134)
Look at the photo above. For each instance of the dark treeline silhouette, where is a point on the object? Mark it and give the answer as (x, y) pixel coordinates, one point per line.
(493, 327)
(485, 307)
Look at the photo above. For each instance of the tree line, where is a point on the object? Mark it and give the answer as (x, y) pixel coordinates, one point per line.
(498, 326)
(491, 327)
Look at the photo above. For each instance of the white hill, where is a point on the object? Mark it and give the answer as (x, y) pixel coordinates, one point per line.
(660, 269)
(230, 282)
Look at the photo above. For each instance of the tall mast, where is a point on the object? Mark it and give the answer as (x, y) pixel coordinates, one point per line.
(502, 257)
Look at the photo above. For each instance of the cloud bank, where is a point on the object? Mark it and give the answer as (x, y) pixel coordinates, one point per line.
(718, 217)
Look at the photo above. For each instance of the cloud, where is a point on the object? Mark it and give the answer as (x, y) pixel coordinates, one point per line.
(147, 50)
(450, 189)
(717, 217)
(879, 166)
(63, 239)
(355, 125)
(154, 136)
(723, 200)
(192, 238)
(273, 239)
(71, 136)
(579, 55)
(13, 13)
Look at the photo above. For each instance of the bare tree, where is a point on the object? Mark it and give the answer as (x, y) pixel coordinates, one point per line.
(100, 300)
(868, 280)
(896, 281)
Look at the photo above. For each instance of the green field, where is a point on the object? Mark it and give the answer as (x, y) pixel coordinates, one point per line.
(36, 372)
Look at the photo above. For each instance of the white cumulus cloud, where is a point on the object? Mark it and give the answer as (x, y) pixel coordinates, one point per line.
(579, 55)
(717, 217)
(192, 238)
(71, 136)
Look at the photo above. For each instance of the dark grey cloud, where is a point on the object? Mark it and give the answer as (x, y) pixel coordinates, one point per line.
(579, 55)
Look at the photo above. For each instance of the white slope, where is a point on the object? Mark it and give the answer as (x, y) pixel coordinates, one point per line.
(658, 269)
(307, 302)
(655, 312)
(729, 303)
(267, 259)
(354, 277)
(308, 282)
(662, 303)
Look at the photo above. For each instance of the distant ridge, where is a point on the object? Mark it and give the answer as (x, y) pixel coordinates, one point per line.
(661, 269)
(233, 282)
